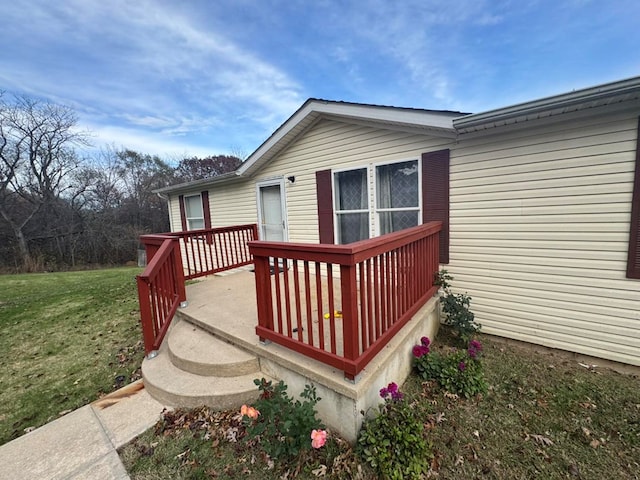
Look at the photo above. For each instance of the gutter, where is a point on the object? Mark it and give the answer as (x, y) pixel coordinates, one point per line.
(603, 94)
(188, 186)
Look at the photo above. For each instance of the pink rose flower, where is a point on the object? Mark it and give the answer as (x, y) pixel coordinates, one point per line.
(318, 438)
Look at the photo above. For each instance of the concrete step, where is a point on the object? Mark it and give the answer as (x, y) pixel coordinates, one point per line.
(174, 387)
(196, 351)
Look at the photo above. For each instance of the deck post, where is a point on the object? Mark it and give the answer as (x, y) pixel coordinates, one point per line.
(263, 293)
(349, 297)
(179, 271)
(144, 297)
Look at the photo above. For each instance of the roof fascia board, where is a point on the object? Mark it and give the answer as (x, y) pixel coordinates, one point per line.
(436, 132)
(305, 110)
(556, 102)
(408, 116)
(204, 182)
(548, 120)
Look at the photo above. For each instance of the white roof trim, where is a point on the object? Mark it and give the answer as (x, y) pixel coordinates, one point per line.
(437, 123)
(606, 94)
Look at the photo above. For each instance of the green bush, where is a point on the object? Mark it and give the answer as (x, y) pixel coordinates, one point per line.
(455, 306)
(282, 426)
(458, 372)
(393, 442)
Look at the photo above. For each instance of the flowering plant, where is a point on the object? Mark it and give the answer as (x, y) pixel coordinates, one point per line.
(393, 442)
(318, 438)
(458, 372)
(249, 412)
(281, 425)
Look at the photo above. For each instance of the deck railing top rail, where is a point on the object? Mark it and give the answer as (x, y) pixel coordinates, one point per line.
(350, 253)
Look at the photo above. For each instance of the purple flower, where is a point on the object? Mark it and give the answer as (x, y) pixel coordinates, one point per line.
(475, 347)
(425, 341)
(392, 391)
(462, 366)
(420, 350)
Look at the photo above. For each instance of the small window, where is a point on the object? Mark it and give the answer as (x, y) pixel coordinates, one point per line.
(351, 202)
(397, 196)
(194, 213)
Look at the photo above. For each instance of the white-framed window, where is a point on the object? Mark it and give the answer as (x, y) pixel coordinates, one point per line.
(397, 196)
(395, 205)
(351, 204)
(194, 212)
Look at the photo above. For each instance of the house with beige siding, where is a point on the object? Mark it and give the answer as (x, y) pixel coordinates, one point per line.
(539, 203)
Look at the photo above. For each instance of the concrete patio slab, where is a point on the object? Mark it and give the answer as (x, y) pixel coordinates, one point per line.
(61, 449)
(82, 444)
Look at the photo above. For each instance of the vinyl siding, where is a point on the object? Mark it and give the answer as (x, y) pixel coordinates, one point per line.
(540, 228)
(331, 145)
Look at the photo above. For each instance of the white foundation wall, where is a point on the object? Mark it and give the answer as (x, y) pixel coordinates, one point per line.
(540, 218)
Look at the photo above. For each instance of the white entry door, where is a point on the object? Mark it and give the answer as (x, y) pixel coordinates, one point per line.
(272, 215)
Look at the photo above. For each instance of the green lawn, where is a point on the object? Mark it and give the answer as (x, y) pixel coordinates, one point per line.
(65, 339)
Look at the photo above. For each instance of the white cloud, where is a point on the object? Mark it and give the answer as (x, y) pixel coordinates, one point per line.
(146, 64)
(150, 143)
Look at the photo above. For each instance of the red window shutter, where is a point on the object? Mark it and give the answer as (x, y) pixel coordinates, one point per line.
(325, 206)
(183, 213)
(633, 260)
(205, 208)
(435, 195)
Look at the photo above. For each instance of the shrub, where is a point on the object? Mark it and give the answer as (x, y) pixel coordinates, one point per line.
(284, 427)
(455, 306)
(393, 442)
(457, 372)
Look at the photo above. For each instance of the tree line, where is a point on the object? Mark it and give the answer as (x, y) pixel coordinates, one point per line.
(61, 208)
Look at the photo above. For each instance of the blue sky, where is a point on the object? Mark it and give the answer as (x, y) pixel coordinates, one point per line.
(183, 78)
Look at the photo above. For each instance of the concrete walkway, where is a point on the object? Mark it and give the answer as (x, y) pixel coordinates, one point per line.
(83, 443)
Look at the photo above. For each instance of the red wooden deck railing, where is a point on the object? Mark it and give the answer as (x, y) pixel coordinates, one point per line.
(175, 257)
(368, 290)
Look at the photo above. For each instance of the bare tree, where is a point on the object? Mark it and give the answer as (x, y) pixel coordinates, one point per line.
(37, 157)
(195, 168)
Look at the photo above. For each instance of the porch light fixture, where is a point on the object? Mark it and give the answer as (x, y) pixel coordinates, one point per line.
(291, 179)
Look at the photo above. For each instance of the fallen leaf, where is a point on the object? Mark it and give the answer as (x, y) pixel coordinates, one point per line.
(586, 431)
(541, 439)
(573, 470)
(476, 433)
(594, 443)
(180, 456)
(321, 471)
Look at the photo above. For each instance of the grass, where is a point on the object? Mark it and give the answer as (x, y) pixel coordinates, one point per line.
(544, 416)
(65, 340)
